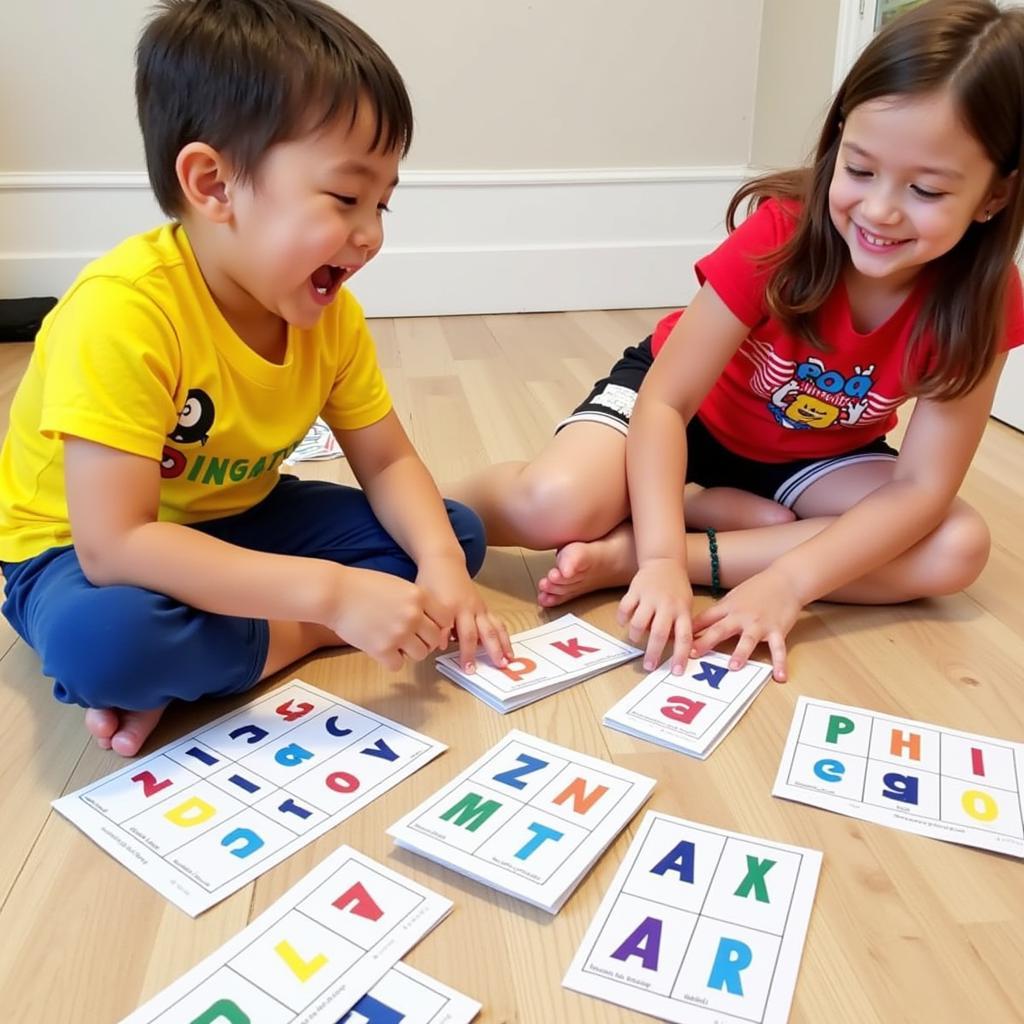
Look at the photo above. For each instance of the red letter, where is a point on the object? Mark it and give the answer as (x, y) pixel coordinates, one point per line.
(365, 907)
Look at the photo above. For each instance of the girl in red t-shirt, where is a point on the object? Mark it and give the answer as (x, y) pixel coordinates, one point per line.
(884, 271)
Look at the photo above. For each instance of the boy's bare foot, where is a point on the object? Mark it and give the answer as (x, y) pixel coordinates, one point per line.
(124, 732)
(583, 566)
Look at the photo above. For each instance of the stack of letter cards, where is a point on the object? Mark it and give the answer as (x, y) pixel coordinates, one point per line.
(203, 816)
(545, 660)
(691, 713)
(329, 944)
(700, 926)
(908, 775)
(529, 818)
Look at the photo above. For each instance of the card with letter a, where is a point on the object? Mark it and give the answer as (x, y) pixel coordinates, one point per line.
(546, 659)
(311, 955)
(529, 818)
(909, 775)
(691, 713)
(205, 815)
(700, 926)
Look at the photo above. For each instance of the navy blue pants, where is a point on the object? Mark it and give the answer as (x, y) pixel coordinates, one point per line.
(126, 647)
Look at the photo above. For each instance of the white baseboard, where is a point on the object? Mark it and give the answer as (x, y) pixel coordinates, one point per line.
(458, 242)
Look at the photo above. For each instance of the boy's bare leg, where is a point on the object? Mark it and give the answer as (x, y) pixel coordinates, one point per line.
(125, 732)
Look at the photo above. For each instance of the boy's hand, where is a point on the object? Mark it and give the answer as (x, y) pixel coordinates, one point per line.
(659, 599)
(763, 607)
(389, 618)
(448, 582)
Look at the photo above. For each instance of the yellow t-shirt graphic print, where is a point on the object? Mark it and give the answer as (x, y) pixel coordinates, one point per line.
(137, 356)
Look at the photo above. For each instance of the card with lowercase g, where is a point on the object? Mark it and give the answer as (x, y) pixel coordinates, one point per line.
(529, 818)
(546, 659)
(309, 957)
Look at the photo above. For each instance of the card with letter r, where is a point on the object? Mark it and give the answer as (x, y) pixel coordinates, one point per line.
(700, 926)
(529, 818)
(926, 779)
(328, 945)
(208, 813)
(545, 660)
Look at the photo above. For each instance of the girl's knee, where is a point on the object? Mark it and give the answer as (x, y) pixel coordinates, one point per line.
(962, 550)
(553, 507)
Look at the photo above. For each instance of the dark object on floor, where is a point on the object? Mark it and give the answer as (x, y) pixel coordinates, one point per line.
(20, 318)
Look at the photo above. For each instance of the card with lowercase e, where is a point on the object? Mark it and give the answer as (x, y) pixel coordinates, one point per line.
(700, 926)
(546, 659)
(205, 815)
(693, 712)
(927, 779)
(529, 818)
(310, 956)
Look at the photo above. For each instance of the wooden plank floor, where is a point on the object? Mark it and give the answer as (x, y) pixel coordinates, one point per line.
(903, 929)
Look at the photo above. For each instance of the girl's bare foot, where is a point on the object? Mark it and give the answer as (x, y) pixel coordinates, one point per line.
(583, 566)
(124, 732)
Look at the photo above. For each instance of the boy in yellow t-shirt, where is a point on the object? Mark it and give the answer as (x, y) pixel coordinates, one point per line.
(151, 549)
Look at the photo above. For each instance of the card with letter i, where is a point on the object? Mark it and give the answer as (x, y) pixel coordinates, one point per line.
(310, 956)
(529, 818)
(909, 775)
(691, 713)
(208, 813)
(546, 659)
(700, 926)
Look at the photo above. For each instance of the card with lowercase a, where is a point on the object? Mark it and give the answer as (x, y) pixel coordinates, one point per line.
(700, 926)
(205, 815)
(309, 957)
(546, 659)
(691, 713)
(529, 818)
(909, 775)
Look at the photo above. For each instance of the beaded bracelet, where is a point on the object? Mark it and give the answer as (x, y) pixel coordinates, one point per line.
(716, 578)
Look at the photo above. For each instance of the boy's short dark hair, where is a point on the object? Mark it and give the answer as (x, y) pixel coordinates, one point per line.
(243, 75)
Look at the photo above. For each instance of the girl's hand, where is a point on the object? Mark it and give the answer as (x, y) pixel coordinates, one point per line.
(659, 599)
(447, 580)
(763, 607)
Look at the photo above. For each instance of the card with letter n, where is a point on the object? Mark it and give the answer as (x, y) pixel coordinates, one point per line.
(546, 659)
(700, 926)
(529, 818)
(207, 814)
(909, 775)
(310, 956)
(691, 713)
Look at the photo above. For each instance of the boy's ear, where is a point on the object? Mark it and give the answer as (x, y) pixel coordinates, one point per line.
(204, 175)
(1001, 193)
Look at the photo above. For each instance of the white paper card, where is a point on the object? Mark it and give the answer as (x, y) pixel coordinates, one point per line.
(311, 955)
(693, 712)
(909, 775)
(407, 996)
(528, 818)
(210, 812)
(700, 926)
(547, 659)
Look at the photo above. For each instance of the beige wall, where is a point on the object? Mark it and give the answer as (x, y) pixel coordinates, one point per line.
(794, 80)
(496, 85)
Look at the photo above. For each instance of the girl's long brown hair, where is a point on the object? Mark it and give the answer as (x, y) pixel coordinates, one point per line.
(976, 51)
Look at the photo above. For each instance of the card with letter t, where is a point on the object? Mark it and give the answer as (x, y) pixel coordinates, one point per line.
(700, 926)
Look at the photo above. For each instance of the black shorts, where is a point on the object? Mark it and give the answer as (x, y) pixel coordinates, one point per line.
(709, 463)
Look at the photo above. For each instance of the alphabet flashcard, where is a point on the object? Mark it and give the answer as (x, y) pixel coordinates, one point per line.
(909, 775)
(546, 659)
(407, 996)
(700, 926)
(529, 818)
(208, 813)
(312, 955)
(691, 713)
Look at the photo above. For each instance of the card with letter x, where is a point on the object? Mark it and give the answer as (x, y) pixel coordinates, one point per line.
(546, 659)
(700, 926)
(528, 818)
(208, 813)
(311, 955)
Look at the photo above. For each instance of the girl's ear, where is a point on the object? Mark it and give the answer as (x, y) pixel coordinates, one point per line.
(1001, 193)
(204, 175)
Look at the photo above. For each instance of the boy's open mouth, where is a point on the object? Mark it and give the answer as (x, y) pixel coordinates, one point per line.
(326, 280)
